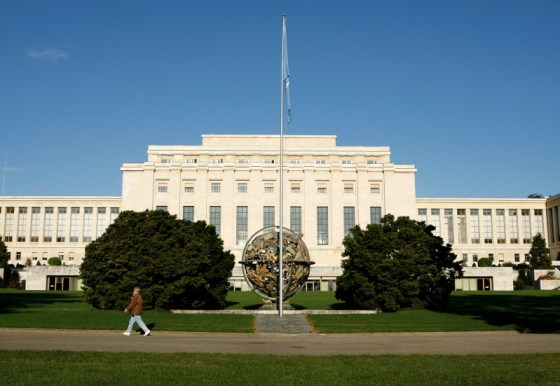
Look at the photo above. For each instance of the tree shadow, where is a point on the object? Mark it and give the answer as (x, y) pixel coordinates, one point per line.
(12, 301)
(528, 313)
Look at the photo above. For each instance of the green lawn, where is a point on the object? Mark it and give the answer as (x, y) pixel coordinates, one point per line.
(528, 311)
(87, 368)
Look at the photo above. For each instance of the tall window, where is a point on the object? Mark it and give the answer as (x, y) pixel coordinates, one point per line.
(539, 222)
(487, 224)
(513, 226)
(61, 225)
(8, 224)
(423, 215)
(48, 224)
(241, 224)
(74, 224)
(375, 214)
(501, 226)
(295, 219)
(322, 225)
(475, 226)
(268, 216)
(448, 218)
(526, 225)
(215, 187)
(435, 221)
(188, 213)
(22, 224)
(462, 222)
(88, 224)
(242, 187)
(101, 221)
(35, 223)
(216, 218)
(114, 214)
(349, 218)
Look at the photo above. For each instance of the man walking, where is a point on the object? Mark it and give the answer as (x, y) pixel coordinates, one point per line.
(135, 308)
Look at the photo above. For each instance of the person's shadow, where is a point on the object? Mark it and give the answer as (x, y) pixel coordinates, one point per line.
(151, 327)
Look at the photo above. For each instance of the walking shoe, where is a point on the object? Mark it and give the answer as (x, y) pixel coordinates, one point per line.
(126, 333)
(147, 333)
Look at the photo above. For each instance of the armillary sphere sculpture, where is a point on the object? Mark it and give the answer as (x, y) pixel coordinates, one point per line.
(261, 263)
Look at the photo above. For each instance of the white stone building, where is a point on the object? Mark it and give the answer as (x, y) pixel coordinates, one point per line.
(232, 182)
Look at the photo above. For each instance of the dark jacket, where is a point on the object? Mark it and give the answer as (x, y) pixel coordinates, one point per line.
(135, 307)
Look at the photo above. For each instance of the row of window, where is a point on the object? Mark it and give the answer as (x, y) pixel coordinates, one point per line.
(49, 223)
(242, 187)
(44, 256)
(267, 161)
(242, 220)
(501, 259)
(488, 228)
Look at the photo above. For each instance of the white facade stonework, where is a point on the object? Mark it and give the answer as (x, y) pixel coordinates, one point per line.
(232, 182)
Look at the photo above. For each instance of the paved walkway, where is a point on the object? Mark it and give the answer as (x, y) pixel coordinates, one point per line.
(287, 324)
(282, 344)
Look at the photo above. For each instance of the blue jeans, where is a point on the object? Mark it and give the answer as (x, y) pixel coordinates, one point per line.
(136, 319)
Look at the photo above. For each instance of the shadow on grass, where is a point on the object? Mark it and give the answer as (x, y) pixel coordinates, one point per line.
(14, 300)
(529, 312)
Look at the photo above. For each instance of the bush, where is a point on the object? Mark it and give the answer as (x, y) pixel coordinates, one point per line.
(54, 261)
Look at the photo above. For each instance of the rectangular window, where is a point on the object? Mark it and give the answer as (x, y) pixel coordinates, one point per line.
(162, 207)
(215, 187)
(435, 221)
(189, 189)
(462, 225)
(375, 215)
(320, 161)
(513, 226)
(216, 218)
(448, 218)
(101, 221)
(268, 161)
(295, 219)
(48, 224)
(423, 215)
(539, 222)
(188, 213)
(22, 224)
(526, 226)
(242, 187)
(322, 190)
(487, 225)
(374, 189)
(269, 189)
(162, 188)
(295, 189)
(527, 258)
(9, 224)
(242, 225)
(347, 162)
(114, 215)
(501, 226)
(322, 225)
(295, 161)
(74, 224)
(475, 226)
(35, 224)
(371, 162)
(349, 189)
(268, 216)
(475, 257)
(218, 161)
(243, 161)
(516, 257)
(61, 225)
(191, 160)
(88, 224)
(465, 257)
(349, 218)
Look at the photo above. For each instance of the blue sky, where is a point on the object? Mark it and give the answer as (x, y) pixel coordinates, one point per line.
(468, 91)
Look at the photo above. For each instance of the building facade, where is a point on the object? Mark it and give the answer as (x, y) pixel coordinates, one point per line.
(232, 182)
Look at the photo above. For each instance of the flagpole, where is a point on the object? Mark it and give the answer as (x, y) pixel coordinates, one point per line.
(281, 235)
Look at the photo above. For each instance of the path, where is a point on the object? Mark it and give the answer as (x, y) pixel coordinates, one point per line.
(506, 342)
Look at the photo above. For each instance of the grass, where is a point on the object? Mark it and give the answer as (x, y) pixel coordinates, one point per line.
(87, 368)
(527, 311)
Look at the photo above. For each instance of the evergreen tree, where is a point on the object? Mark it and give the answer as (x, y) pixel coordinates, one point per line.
(3, 255)
(396, 264)
(540, 254)
(178, 264)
